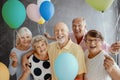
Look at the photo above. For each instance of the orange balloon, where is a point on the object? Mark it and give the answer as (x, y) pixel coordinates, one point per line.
(4, 72)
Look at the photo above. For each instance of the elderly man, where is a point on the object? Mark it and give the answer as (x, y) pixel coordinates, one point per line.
(79, 31)
(64, 44)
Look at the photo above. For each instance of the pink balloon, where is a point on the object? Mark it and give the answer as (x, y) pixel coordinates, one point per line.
(33, 12)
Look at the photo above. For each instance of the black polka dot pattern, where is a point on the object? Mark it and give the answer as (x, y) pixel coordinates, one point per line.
(40, 69)
(35, 59)
(37, 71)
(46, 64)
(47, 76)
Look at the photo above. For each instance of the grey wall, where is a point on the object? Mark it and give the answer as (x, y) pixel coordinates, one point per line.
(65, 11)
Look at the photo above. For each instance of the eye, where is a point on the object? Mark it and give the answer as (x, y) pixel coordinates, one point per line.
(22, 37)
(80, 25)
(37, 46)
(27, 36)
(74, 26)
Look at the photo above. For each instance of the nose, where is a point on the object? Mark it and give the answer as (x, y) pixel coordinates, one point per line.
(77, 27)
(59, 32)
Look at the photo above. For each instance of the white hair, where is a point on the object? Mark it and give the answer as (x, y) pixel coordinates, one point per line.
(21, 32)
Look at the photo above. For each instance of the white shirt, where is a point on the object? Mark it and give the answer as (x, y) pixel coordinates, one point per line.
(18, 69)
(95, 67)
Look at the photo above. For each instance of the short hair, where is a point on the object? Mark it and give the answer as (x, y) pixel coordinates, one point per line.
(38, 38)
(79, 19)
(61, 24)
(95, 34)
(21, 32)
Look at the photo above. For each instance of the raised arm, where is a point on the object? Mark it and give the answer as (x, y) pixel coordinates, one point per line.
(25, 74)
(25, 59)
(49, 37)
(112, 68)
(115, 47)
(13, 63)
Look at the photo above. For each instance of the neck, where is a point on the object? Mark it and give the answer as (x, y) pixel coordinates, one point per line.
(93, 54)
(41, 56)
(79, 39)
(22, 47)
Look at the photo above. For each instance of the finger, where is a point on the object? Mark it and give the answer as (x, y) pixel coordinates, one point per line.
(109, 60)
(108, 63)
(108, 57)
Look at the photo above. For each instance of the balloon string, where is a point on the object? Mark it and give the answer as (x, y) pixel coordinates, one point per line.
(38, 28)
(117, 28)
(14, 39)
(45, 26)
(103, 26)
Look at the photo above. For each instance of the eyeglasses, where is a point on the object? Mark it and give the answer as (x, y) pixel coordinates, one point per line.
(92, 40)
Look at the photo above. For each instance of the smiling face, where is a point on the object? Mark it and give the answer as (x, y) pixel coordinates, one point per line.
(39, 44)
(61, 33)
(25, 40)
(79, 27)
(94, 41)
(24, 37)
(41, 47)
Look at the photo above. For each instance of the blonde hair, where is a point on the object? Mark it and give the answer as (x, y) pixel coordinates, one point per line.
(38, 38)
(21, 32)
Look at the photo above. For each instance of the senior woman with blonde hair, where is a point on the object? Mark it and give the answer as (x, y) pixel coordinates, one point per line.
(23, 45)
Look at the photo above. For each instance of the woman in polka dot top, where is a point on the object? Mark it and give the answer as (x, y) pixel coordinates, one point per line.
(39, 60)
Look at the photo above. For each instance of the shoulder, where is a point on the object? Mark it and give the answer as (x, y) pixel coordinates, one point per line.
(74, 45)
(52, 44)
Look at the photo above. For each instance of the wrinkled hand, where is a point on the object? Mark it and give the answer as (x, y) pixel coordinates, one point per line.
(13, 56)
(115, 47)
(25, 63)
(47, 35)
(109, 63)
(14, 59)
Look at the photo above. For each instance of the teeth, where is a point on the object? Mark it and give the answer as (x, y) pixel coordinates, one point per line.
(92, 46)
(59, 37)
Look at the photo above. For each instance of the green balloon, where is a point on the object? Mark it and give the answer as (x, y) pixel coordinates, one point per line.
(100, 5)
(14, 13)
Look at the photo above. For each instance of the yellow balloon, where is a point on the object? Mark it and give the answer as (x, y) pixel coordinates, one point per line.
(41, 21)
(4, 72)
(100, 5)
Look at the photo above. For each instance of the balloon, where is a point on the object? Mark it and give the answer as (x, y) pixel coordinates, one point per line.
(100, 5)
(14, 13)
(33, 13)
(46, 10)
(40, 1)
(66, 66)
(41, 21)
(4, 72)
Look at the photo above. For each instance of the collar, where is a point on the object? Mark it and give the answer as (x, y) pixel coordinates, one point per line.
(67, 45)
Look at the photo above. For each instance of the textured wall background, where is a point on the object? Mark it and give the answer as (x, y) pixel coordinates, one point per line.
(65, 10)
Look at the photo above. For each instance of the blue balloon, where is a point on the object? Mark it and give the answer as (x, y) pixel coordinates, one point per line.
(46, 10)
(66, 66)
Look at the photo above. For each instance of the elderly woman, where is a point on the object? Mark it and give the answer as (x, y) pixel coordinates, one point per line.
(23, 45)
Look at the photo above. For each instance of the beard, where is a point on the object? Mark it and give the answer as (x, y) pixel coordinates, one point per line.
(60, 41)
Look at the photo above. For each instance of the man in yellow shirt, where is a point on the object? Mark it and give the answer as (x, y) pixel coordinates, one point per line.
(64, 44)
